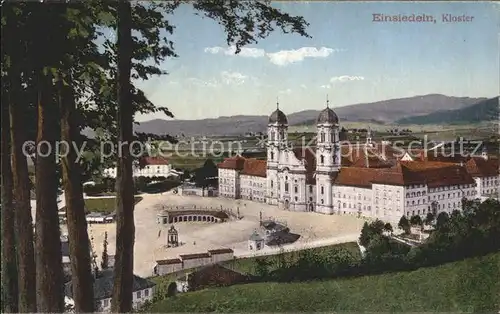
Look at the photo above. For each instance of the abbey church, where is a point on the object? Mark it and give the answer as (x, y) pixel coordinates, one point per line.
(371, 179)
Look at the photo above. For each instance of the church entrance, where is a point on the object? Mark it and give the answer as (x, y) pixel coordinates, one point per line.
(311, 207)
(287, 204)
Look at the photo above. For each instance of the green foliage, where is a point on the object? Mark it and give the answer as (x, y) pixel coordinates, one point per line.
(404, 224)
(371, 231)
(442, 220)
(429, 219)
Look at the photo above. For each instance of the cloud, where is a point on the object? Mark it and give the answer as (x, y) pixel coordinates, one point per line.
(199, 82)
(231, 51)
(285, 92)
(342, 79)
(225, 78)
(285, 57)
(280, 58)
(346, 78)
(303, 86)
(233, 78)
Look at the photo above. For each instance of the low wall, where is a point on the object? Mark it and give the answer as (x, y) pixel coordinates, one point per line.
(190, 261)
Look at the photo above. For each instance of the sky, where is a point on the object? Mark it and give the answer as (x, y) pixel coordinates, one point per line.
(350, 59)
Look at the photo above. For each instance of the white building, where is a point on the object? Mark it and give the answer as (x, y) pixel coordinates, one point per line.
(148, 167)
(370, 179)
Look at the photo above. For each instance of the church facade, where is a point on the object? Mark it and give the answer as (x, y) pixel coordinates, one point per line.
(370, 180)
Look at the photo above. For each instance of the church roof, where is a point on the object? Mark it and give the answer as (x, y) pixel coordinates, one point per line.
(278, 117)
(327, 116)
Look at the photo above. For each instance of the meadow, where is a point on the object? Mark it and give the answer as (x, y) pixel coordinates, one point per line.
(469, 285)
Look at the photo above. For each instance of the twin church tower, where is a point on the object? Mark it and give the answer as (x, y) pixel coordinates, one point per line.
(301, 178)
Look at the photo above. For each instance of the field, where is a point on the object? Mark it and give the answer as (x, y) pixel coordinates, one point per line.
(467, 286)
(104, 205)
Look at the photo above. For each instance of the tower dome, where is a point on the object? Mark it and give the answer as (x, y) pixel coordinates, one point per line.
(327, 116)
(278, 117)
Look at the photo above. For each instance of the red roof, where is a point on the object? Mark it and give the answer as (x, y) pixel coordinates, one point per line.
(220, 251)
(433, 174)
(236, 163)
(254, 167)
(154, 161)
(169, 261)
(194, 256)
(480, 167)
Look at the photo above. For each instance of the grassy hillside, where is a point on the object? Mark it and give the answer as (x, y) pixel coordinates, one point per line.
(247, 265)
(486, 110)
(467, 286)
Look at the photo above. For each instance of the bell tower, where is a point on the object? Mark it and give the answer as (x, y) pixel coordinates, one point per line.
(277, 139)
(327, 158)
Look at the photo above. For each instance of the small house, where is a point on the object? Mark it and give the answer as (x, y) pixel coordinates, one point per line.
(142, 288)
(215, 275)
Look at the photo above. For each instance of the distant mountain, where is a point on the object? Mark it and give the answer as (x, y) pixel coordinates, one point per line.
(382, 111)
(485, 110)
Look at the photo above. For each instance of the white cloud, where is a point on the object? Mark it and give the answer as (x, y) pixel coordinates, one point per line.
(225, 78)
(285, 92)
(231, 51)
(198, 82)
(280, 58)
(285, 57)
(346, 78)
(233, 78)
(303, 86)
(342, 79)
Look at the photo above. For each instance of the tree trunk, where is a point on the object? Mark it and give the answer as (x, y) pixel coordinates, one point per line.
(9, 261)
(49, 273)
(21, 193)
(79, 246)
(125, 229)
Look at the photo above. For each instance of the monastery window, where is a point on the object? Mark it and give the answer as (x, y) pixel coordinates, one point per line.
(322, 190)
(296, 198)
(271, 183)
(413, 202)
(286, 186)
(322, 158)
(407, 194)
(272, 155)
(322, 201)
(296, 189)
(418, 193)
(322, 136)
(310, 199)
(310, 189)
(344, 205)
